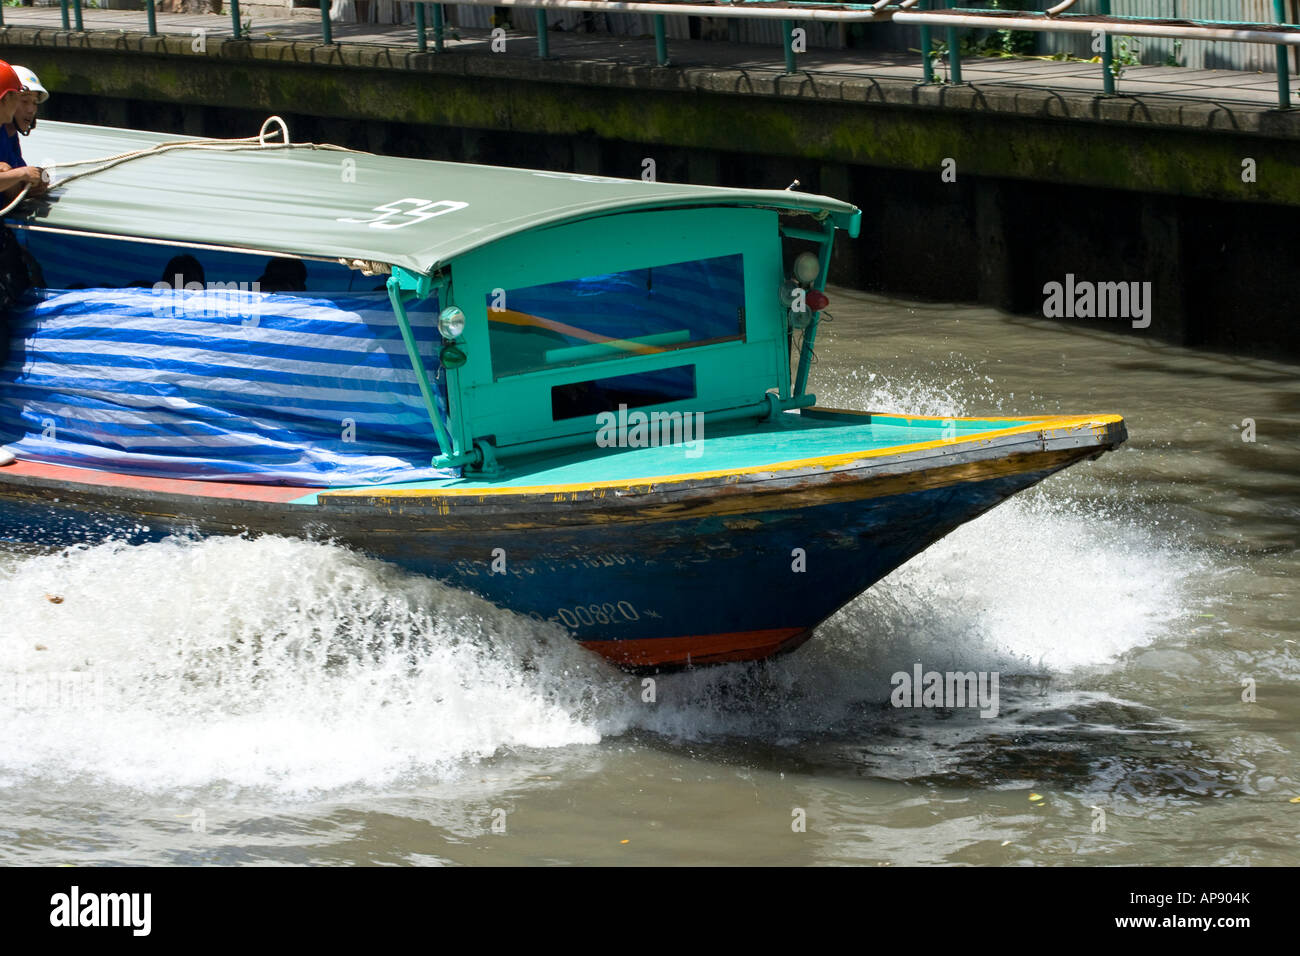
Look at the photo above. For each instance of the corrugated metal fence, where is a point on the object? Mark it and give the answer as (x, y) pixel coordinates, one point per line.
(1195, 54)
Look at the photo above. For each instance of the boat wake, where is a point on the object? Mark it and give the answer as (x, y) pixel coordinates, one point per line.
(302, 668)
(293, 665)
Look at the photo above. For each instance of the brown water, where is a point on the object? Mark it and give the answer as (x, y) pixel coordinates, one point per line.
(1123, 605)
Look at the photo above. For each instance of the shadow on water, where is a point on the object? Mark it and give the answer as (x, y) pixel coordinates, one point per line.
(1063, 740)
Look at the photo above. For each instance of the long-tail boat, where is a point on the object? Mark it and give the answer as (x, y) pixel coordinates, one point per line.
(584, 398)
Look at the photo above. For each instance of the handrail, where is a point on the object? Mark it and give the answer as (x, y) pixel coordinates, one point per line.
(448, 455)
(757, 9)
(1053, 19)
(806, 358)
(1268, 34)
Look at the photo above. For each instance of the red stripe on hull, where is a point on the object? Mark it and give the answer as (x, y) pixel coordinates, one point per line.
(704, 649)
(171, 486)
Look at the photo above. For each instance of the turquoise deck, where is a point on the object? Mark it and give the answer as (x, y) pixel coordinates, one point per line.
(731, 447)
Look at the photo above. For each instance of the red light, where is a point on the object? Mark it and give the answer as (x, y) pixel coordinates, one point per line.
(816, 301)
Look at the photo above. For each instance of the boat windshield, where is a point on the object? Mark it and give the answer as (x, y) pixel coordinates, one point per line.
(600, 317)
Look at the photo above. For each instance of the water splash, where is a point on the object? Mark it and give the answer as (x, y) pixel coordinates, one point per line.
(272, 662)
(1047, 588)
(1041, 589)
(948, 387)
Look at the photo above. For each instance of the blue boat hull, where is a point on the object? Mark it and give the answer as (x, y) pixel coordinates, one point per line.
(732, 578)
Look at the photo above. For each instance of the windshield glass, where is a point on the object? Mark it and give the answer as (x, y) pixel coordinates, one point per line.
(601, 317)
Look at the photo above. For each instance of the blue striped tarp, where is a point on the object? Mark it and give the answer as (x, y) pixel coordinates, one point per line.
(225, 385)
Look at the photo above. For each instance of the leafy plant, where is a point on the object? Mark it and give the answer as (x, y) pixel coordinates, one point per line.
(1010, 42)
(939, 61)
(1124, 53)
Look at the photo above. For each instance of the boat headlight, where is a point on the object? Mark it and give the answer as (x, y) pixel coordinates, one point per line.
(451, 323)
(806, 268)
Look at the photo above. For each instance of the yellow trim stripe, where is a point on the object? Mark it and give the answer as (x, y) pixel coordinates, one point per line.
(1098, 424)
(949, 418)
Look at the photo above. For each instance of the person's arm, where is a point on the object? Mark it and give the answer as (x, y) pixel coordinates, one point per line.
(13, 180)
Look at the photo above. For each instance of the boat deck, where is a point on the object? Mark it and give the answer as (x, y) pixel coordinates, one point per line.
(817, 438)
(814, 439)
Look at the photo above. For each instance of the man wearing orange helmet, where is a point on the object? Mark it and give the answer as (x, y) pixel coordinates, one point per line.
(16, 275)
(18, 115)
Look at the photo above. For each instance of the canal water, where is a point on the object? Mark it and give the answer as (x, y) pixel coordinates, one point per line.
(283, 702)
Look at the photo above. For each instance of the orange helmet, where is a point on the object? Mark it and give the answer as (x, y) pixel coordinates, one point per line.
(9, 81)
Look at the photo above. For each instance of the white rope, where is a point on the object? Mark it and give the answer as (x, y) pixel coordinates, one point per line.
(257, 142)
(19, 198)
(284, 129)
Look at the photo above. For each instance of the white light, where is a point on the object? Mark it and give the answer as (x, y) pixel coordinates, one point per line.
(451, 322)
(806, 267)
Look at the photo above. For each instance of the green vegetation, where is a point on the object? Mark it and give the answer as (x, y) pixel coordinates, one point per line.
(1009, 42)
(1124, 52)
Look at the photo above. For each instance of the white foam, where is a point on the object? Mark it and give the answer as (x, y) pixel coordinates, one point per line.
(1049, 584)
(272, 662)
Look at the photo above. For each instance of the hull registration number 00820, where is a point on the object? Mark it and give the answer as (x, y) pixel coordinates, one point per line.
(590, 614)
(415, 210)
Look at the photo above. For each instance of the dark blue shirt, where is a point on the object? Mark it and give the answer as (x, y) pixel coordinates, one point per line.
(10, 150)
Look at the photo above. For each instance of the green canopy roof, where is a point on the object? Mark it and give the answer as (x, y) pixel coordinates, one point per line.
(412, 213)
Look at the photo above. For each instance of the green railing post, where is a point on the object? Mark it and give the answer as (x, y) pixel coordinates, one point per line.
(236, 30)
(661, 41)
(153, 18)
(810, 333)
(787, 33)
(927, 66)
(63, 9)
(421, 41)
(76, 15)
(437, 27)
(954, 50)
(326, 31)
(1107, 68)
(2, 14)
(1283, 71)
(445, 445)
(543, 38)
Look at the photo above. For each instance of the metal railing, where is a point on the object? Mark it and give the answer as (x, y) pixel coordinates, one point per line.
(927, 15)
